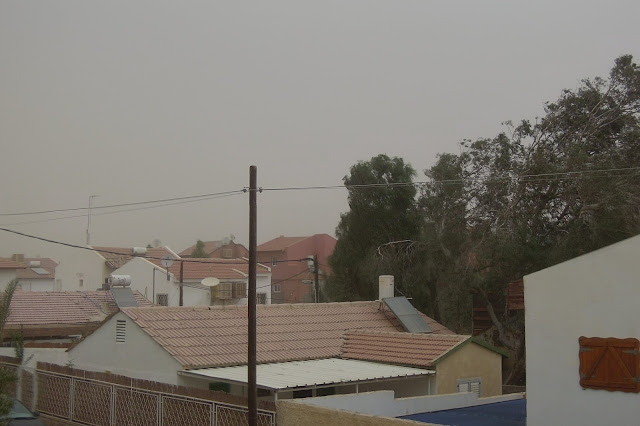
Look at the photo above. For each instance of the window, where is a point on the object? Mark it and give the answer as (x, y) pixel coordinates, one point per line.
(162, 299)
(80, 283)
(274, 261)
(470, 385)
(609, 363)
(121, 331)
(325, 391)
(227, 253)
(276, 288)
(261, 298)
(239, 290)
(220, 387)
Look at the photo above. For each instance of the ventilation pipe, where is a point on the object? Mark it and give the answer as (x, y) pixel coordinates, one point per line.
(385, 286)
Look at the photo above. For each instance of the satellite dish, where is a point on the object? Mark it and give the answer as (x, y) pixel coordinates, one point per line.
(167, 261)
(210, 282)
(225, 241)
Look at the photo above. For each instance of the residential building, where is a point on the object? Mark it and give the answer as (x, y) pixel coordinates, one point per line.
(9, 270)
(162, 286)
(303, 350)
(224, 249)
(582, 339)
(39, 274)
(292, 276)
(87, 270)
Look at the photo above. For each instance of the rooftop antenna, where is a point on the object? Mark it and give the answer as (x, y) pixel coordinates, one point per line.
(91, 198)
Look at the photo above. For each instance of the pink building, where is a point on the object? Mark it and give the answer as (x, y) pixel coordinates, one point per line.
(292, 279)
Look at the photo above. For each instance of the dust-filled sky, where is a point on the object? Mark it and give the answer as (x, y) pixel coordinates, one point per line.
(145, 100)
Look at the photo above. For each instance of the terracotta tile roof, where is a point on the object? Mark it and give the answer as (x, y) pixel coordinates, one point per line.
(280, 243)
(10, 264)
(417, 350)
(118, 256)
(74, 307)
(199, 337)
(29, 274)
(224, 269)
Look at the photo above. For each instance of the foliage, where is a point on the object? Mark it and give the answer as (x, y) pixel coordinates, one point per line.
(380, 214)
(7, 378)
(199, 251)
(535, 195)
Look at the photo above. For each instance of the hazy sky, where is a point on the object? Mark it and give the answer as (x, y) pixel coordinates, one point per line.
(138, 101)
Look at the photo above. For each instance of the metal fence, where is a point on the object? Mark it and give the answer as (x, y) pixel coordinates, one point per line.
(94, 402)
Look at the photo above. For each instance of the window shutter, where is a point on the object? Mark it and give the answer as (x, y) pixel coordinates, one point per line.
(609, 363)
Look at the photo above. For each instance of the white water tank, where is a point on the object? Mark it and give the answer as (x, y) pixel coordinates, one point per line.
(123, 280)
(385, 286)
(138, 251)
(34, 264)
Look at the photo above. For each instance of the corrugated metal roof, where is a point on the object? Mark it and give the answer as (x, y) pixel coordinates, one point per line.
(312, 373)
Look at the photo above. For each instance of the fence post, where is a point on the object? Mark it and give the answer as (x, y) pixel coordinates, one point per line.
(159, 409)
(71, 398)
(113, 405)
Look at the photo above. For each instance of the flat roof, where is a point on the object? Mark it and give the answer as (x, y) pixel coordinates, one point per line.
(310, 373)
(507, 413)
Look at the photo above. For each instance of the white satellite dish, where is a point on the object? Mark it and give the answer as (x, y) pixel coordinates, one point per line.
(210, 282)
(167, 261)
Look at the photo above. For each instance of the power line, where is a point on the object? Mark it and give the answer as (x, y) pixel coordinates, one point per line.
(123, 210)
(137, 203)
(185, 260)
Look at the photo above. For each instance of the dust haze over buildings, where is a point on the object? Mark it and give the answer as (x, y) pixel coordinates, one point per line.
(140, 100)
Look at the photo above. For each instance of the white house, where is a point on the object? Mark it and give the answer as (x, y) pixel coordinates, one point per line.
(151, 279)
(303, 350)
(593, 380)
(86, 270)
(8, 271)
(39, 274)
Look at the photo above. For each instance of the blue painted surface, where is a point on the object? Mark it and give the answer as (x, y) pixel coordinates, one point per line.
(509, 413)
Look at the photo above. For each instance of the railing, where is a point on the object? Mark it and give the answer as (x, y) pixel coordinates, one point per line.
(95, 402)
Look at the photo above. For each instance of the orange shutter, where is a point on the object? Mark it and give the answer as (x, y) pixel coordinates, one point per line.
(609, 363)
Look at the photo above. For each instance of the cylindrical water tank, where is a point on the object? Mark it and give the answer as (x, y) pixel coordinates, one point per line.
(122, 280)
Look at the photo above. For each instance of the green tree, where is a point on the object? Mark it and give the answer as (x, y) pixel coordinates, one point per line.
(535, 196)
(382, 210)
(199, 251)
(7, 378)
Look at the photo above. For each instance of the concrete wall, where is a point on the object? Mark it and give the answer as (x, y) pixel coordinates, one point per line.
(76, 265)
(294, 413)
(139, 357)
(58, 356)
(384, 403)
(470, 361)
(37, 285)
(595, 295)
(142, 279)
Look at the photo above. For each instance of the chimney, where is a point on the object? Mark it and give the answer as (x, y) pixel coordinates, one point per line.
(385, 286)
(17, 257)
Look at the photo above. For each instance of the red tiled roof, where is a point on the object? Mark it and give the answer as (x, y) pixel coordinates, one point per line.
(280, 243)
(116, 257)
(224, 269)
(10, 264)
(73, 307)
(29, 274)
(417, 350)
(200, 337)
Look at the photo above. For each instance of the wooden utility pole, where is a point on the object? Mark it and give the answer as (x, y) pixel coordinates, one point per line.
(251, 356)
(181, 277)
(315, 277)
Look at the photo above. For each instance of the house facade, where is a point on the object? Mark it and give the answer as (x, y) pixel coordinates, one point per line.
(582, 334)
(39, 274)
(303, 344)
(9, 271)
(293, 277)
(153, 280)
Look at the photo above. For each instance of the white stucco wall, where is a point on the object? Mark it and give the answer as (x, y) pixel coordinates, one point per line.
(76, 265)
(142, 279)
(595, 295)
(36, 285)
(6, 275)
(140, 356)
(57, 356)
